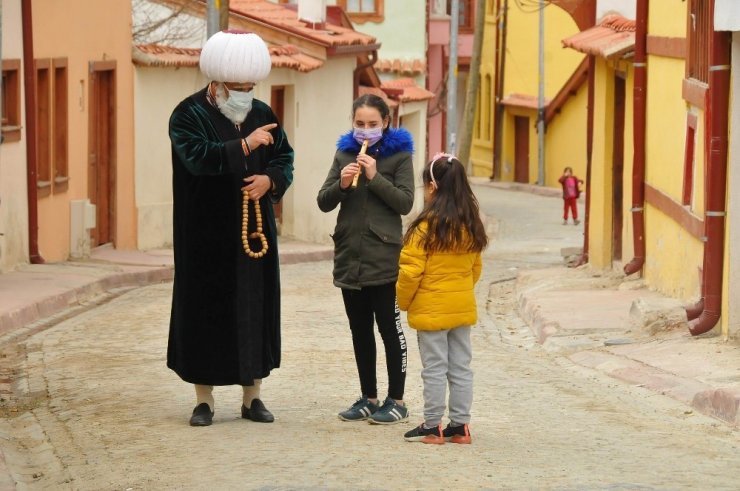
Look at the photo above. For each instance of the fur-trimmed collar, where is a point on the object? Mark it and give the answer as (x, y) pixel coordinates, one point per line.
(394, 140)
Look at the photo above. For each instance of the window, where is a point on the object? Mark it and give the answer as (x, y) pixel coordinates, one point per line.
(466, 10)
(59, 129)
(699, 31)
(363, 10)
(52, 126)
(11, 101)
(43, 124)
(689, 160)
(479, 111)
(486, 108)
(438, 7)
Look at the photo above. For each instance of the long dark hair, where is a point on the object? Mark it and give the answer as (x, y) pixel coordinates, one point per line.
(452, 214)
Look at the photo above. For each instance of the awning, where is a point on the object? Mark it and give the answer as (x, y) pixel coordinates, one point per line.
(613, 37)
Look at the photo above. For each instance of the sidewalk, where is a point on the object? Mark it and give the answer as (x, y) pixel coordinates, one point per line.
(36, 291)
(615, 325)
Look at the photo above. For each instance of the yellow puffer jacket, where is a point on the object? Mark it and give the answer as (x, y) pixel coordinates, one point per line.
(437, 289)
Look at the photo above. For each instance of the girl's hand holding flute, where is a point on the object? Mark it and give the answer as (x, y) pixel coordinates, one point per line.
(364, 163)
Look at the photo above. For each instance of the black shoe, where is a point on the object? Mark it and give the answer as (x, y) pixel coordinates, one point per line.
(425, 435)
(257, 412)
(202, 415)
(457, 434)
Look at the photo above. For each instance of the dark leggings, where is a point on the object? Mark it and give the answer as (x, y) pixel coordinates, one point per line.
(377, 303)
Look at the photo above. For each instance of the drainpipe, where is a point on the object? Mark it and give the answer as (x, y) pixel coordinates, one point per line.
(498, 121)
(29, 86)
(372, 57)
(589, 138)
(589, 153)
(716, 117)
(638, 125)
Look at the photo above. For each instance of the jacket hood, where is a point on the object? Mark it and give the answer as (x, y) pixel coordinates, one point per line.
(394, 140)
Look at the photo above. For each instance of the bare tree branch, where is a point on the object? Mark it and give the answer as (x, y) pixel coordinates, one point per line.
(159, 23)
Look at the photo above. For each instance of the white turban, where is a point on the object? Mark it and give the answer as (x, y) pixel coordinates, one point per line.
(233, 56)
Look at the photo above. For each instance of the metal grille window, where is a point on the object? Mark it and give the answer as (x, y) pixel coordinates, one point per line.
(699, 30)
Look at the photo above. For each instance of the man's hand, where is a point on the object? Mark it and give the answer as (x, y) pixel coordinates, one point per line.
(257, 186)
(261, 136)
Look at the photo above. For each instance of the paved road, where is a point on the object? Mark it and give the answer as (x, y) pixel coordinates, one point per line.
(94, 406)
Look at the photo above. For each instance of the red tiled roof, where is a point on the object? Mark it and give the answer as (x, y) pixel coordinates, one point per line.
(286, 18)
(403, 67)
(406, 90)
(522, 100)
(158, 55)
(287, 56)
(614, 36)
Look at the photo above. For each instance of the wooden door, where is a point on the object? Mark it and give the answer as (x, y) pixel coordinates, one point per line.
(521, 149)
(101, 161)
(618, 168)
(277, 103)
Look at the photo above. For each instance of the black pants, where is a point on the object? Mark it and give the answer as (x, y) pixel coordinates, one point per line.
(363, 307)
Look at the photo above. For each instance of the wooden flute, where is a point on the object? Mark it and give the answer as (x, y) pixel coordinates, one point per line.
(357, 176)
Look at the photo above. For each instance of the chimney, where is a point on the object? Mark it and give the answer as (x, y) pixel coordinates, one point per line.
(312, 12)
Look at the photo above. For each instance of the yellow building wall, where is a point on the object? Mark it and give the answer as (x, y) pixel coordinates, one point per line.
(507, 154)
(102, 32)
(565, 141)
(567, 129)
(667, 18)
(481, 152)
(522, 51)
(666, 127)
(673, 256)
(600, 213)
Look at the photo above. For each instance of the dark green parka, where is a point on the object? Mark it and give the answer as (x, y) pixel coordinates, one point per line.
(368, 235)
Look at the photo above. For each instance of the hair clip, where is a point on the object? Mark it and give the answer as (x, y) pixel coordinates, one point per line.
(439, 155)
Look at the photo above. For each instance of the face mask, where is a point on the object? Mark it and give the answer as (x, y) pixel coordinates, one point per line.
(237, 105)
(372, 135)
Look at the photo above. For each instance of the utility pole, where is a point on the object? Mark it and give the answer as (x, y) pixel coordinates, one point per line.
(452, 79)
(218, 16)
(498, 128)
(472, 89)
(541, 100)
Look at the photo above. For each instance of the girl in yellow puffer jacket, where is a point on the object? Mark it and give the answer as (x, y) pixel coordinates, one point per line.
(439, 266)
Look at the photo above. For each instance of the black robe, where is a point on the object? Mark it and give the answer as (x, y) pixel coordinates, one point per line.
(225, 321)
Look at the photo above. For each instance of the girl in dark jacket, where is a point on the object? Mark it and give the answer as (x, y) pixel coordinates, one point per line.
(367, 245)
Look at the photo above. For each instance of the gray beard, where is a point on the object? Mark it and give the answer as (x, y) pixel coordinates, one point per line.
(236, 116)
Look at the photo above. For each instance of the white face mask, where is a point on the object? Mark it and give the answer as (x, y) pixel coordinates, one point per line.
(236, 106)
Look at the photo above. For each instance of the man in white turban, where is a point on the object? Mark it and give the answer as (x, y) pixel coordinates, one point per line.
(231, 161)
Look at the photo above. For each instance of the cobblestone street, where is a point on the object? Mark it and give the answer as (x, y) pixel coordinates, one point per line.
(96, 408)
